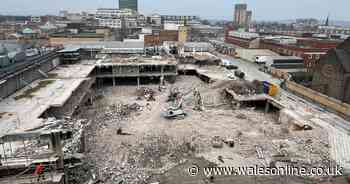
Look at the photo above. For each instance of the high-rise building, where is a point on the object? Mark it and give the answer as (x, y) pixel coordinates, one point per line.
(248, 17)
(128, 4)
(242, 16)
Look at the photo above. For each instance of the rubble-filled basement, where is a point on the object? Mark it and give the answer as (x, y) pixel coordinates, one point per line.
(153, 130)
(145, 134)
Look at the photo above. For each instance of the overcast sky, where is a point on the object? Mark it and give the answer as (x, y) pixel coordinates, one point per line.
(212, 9)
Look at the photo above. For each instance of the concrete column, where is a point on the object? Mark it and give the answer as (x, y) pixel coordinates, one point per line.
(57, 148)
(267, 107)
(113, 77)
(161, 76)
(138, 82)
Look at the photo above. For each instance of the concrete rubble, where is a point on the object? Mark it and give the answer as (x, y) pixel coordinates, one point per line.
(123, 137)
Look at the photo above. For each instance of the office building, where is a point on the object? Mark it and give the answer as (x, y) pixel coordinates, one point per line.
(242, 16)
(114, 13)
(128, 4)
(248, 17)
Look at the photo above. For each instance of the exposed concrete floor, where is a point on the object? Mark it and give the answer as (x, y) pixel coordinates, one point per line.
(109, 150)
(18, 114)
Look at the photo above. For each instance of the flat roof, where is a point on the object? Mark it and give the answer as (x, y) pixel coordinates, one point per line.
(138, 61)
(197, 44)
(285, 57)
(70, 49)
(18, 114)
(107, 45)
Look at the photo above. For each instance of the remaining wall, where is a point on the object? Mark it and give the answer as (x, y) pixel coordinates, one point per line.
(328, 102)
(77, 97)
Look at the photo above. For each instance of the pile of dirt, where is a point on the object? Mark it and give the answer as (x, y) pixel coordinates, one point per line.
(146, 93)
(240, 87)
(36, 146)
(113, 114)
(155, 151)
(121, 110)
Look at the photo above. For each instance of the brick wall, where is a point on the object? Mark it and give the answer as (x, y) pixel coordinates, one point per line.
(168, 35)
(342, 109)
(151, 40)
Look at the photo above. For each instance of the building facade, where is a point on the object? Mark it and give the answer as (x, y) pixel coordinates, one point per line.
(242, 16)
(310, 50)
(248, 17)
(110, 22)
(241, 39)
(114, 13)
(183, 34)
(128, 4)
(35, 19)
(332, 73)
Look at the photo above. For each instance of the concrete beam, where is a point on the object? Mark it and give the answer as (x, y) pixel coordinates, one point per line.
(45, 135)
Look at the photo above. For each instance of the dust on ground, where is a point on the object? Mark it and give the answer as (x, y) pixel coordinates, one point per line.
(129, 140)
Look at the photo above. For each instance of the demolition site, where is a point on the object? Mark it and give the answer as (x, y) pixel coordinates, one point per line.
(148, 119)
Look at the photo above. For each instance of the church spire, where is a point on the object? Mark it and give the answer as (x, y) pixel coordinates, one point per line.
(327, 20)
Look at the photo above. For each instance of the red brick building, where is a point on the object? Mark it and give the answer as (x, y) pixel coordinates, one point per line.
(311, 50)
(243, 40)
(332, 73)
(151, 40)
(158, 39)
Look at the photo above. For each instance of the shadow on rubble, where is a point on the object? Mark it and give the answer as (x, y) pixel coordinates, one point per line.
(181, 174)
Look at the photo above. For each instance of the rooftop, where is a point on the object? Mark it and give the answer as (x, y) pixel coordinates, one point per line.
(79, 35)
(22, 110)
(138, 61)
(106, 45)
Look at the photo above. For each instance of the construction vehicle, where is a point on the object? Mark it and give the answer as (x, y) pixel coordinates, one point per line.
(175, 111)
(197, 100)
(239, 74)
(174, 114)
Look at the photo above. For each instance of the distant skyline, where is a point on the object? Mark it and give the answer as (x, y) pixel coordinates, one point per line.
(211, 9)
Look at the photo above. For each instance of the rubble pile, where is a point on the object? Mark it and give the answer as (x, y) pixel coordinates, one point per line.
(243, 88)
(31, 148)
(128, 142)
(35, 147)
(146, 93)
(77, 126)
(122, 110)
(281, 145)
(101, 158)
(113, 114)
(79, 174)
(157, 151)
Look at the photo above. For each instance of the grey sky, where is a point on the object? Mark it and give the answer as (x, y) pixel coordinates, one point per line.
(215, 9)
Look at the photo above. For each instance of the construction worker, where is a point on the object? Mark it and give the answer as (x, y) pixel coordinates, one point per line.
(39, 172)
(198, 100)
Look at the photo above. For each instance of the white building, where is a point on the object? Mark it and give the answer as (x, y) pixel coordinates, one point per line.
(117, 18)
(156, 19)
(283, 39)
(110, 22)
(244, 35)
(35, 19)
(114, 13)
(171, 26)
